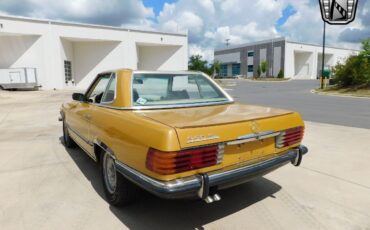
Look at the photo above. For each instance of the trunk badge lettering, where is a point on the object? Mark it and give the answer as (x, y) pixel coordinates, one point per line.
(192, 139)
(255, 128)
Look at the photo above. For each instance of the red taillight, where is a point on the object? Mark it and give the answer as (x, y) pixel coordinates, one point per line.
(185, 160)
(289, 137)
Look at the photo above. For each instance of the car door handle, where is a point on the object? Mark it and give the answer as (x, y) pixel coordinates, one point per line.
(87, 116)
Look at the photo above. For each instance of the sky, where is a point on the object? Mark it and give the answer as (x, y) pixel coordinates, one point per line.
(208, 22)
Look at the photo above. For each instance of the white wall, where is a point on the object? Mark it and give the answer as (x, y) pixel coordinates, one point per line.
(91, 58)
(22, 51)
(292, 60)
(160, 57)
(303, 64)
(92, 49)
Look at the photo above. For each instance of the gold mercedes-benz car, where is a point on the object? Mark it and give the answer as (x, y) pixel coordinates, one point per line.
(176, 135)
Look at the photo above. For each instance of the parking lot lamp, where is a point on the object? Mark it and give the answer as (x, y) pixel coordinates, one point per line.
(323, 57)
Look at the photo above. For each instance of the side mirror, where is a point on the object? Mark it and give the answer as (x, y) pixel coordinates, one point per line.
(79, 97)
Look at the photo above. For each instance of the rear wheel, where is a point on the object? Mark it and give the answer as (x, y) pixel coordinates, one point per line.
(68, 142)
(118, 190)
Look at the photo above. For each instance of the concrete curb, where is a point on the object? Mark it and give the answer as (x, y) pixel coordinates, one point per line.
(249, 80)
(313, 91)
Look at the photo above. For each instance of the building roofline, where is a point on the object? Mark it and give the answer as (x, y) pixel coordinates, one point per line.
(57, 22)
(251, 44)
(311, 44)
(277, 40)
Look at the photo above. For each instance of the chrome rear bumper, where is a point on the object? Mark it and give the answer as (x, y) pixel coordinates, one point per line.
(201, 185)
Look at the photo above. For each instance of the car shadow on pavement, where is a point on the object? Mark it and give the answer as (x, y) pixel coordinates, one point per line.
(150, 212)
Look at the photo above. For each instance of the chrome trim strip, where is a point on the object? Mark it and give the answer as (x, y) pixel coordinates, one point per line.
(162, 107)
(79, 135)
(92, 155)
(165, 72)
(253, 137)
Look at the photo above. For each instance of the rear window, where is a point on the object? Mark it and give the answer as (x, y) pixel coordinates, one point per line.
(170, 89)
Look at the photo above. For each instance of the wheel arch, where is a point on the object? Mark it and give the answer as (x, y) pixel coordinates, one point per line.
(99, 148)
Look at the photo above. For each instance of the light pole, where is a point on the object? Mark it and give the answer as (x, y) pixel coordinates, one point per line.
(323, 57)
(272, 58)
(227, 42)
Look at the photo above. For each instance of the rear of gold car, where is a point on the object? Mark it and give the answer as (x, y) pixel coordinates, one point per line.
(179, 135)
(220, 147)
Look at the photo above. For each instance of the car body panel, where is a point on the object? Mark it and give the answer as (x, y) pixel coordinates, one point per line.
(130, 132)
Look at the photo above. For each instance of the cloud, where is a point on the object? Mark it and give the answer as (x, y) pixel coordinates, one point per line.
(206, 53)
(208, 22)
(241, 21)
(107, 12)
(355, 35)
(306, 26)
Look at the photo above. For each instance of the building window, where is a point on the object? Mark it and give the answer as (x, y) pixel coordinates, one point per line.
(250, 53)
(68, 71)
(235, 69)
(250, 68)
(223, 70)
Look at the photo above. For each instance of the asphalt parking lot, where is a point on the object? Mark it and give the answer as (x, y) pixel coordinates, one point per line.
(296, 95)
(45, 186)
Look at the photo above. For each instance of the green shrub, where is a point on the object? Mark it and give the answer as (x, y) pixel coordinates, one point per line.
(355, 71)
(259, 71)
(280, 74)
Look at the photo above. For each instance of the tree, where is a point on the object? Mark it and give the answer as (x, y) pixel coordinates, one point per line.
(263, 67)
(366, 48)
(197, 63)
(355, 72)
(215, 67)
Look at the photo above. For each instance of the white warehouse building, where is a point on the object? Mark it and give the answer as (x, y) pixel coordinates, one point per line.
(66, 54)
(297, 60)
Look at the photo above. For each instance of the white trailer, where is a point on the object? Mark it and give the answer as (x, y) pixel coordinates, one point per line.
(18, 78)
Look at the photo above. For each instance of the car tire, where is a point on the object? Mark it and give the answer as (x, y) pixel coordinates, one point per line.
(118, 190)
(68, 141)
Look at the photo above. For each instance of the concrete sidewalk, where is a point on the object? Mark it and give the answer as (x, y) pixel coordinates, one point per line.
(45, 186)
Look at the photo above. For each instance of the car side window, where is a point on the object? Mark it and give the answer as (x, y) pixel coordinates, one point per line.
(110, 92)
(96, 92)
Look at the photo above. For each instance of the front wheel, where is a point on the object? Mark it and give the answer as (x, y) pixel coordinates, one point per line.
(118, 190)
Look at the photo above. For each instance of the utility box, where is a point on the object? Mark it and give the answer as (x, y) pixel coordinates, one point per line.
(18, 78)
(326, 73)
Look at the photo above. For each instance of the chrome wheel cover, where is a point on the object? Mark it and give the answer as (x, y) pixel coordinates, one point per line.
(109, 171)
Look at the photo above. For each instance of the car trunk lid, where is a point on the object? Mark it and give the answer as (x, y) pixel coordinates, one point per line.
(225, 125)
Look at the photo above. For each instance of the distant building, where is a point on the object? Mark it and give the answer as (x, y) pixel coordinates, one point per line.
(297, 60)
(65, 54)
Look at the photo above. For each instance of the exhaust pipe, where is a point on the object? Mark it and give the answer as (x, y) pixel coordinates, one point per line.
(208, 199)
(298, 158)
(216, 197)
(204, 191)
(211, 199)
